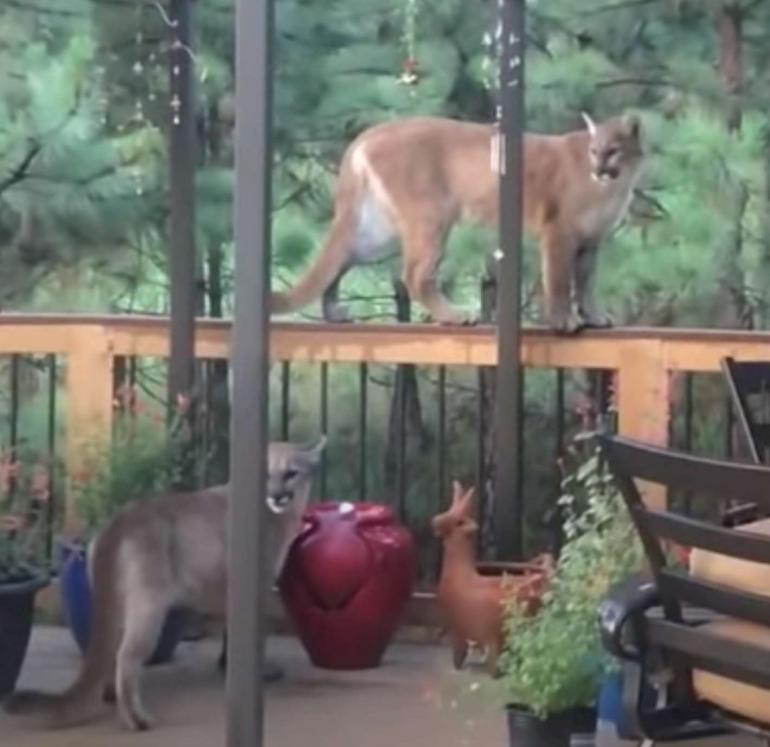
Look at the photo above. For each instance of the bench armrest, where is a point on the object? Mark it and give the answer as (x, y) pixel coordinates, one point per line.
(621, 617)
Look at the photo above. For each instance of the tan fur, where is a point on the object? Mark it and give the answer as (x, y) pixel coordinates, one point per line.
(474, 605)
(413, 179)
(156, 555)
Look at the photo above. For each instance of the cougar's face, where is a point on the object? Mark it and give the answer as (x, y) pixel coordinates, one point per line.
(290, 469)
(614, 147)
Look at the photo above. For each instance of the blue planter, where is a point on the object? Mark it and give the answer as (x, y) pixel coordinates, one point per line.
(610, 707)
(76, 606)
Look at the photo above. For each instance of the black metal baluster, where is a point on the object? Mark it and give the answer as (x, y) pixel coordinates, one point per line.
(441, 487)
(324, 425)
(285, 398)
(363, 380)
(14, 417)
(51, 505)
(401, 379)
(558, 454)
(441, 450)
(688, 429)
(481, 427)
(729, 424)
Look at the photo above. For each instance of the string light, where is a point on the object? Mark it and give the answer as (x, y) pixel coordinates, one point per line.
(410, 69)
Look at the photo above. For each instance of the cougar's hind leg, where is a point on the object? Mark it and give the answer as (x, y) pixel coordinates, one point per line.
(422, 255)
(333, 310)
(144, 620)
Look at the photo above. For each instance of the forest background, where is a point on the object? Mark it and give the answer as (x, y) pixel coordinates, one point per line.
(85, 113)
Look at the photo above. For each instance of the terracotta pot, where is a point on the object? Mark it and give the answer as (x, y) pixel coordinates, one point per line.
(346, 581)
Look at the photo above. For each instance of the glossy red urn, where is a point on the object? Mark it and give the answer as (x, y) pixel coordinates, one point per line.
(346, 582)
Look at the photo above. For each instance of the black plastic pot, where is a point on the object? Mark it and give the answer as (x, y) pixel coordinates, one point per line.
(527, 730)
(17, 601)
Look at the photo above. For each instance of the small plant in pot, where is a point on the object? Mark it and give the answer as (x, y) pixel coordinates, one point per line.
(25, 488)
(140, 463)
(553, 664)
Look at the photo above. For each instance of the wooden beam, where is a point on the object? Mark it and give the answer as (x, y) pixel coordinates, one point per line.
(644, 400)
(89, 406)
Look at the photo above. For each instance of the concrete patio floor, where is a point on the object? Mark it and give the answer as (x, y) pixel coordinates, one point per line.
(414, 700)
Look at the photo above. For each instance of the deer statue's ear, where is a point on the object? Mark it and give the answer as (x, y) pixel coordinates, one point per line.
(590, 124)
(633, 125)
(457, 492)
(466, 501)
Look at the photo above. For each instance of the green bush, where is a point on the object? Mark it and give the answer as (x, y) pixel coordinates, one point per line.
(554, 660)
(140, 463)
(25, 516)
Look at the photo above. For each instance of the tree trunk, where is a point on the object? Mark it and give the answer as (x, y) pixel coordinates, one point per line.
(731, 68)
(731, 71)
(764, 279)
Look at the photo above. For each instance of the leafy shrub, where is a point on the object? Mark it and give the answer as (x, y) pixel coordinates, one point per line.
(25, 517)
(554, 660)
(140, 463)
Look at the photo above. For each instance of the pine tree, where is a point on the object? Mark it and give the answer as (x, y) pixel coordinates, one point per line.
(68, 191)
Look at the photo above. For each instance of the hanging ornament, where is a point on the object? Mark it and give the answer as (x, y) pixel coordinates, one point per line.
(410, 68)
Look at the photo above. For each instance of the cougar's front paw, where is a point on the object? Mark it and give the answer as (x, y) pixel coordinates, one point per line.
(596, 320)
(461, 320)
(337, 313)
(566, 325)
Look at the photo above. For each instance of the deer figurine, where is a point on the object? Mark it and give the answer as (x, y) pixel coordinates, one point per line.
(474, 604)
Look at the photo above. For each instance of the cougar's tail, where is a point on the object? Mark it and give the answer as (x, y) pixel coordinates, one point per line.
(82, 700)
(334, 254)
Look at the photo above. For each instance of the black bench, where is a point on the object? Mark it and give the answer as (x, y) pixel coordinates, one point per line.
(676, 633)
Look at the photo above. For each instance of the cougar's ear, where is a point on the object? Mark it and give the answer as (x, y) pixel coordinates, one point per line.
(633, 125)
(312, 454)
(590, 124)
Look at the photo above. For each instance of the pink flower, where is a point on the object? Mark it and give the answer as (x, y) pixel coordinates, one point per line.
(40, 484)
(9, 523)
(9, 471)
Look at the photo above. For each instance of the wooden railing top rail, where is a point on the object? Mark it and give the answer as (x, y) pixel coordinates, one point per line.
(643, 358)
(427, 344)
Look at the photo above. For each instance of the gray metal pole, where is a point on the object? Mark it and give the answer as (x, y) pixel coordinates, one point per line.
(248, 578)
(183, 156)
(508, 513)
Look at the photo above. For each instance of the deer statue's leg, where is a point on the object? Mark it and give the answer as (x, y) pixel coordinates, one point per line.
(459, 651)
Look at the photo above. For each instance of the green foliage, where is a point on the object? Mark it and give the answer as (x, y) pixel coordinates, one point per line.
(554, 660)
(25, 518)
(141, 463)
(69, 191)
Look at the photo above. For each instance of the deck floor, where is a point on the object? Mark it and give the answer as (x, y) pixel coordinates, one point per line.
(413, 700)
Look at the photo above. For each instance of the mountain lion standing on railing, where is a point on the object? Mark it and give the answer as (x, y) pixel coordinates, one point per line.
(413, 179)
(159, 554)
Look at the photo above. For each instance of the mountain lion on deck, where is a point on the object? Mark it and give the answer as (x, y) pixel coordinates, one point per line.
(413, 179)
(162, 553)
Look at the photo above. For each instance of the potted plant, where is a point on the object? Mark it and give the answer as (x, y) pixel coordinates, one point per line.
(140, 463)
(24, 523)
(554, 664)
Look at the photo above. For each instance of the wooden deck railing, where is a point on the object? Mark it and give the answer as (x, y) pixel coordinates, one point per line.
(643, 358)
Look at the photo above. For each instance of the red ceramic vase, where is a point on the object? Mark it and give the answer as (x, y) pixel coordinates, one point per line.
(346, 581)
